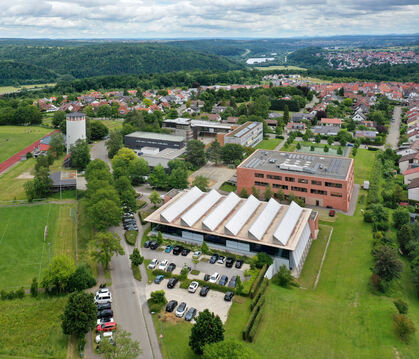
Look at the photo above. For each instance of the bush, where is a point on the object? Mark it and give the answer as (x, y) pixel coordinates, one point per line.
(185, 283)
(131, 237)
(195, 272)
(255, 326)
(155, 307)
(403, 326)
(262, 258)
(20, 293)
(158, 296)
(34, 287)
(401, 306)
(377, 283)
(259, 294)
(136, 272)
(81, 279)
(252, 318)
(284, 278)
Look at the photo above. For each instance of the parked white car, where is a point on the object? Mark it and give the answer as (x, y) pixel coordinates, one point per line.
(181, 309)
(105, 335)
(163, 264)
(214, 278)
(153, 263)
(103, 291)
(104, 320)
(193, 287)
(196, 254)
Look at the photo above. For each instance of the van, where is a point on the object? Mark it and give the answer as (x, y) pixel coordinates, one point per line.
(102, 298)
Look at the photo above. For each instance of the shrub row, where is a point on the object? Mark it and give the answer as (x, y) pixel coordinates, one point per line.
(252, 319)
(375, 176)
(155, 307)
(131, 237)
(136, 272)
(253, 330)
(258, 281)
(259, 294)
(19, 293)
(142, 215)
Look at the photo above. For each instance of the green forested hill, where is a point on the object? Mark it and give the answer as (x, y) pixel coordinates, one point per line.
(15, 72)
(103, 59)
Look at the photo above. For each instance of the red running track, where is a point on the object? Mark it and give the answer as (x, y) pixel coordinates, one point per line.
(16, 158)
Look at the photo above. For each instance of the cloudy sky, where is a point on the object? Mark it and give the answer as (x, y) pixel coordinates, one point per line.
(205, 18)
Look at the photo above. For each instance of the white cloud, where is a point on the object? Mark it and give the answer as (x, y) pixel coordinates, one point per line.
(205, 18)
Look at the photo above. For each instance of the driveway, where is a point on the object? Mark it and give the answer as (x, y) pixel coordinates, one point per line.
(394, 132)
(203, 267)
(99, 151)
(214, 301)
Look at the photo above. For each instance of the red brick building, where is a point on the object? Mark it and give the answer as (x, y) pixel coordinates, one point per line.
(319, 180)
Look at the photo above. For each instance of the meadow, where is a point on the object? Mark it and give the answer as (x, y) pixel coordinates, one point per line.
(15, 138)
(24, 252)
(280, 67)
(13, 89)
(268, 144)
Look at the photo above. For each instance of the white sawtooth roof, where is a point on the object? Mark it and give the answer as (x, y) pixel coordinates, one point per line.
(265, 218)
(200, 208)
(287, 224)
(221, 211)
(174, 210)
(242, 215)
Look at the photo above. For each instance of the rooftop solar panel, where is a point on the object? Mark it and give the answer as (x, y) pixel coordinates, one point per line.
(200, 208)
(265, 218)
(173, 211)
(212, 221)
(286, 226)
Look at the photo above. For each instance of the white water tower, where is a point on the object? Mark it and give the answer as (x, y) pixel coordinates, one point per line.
(76, 128)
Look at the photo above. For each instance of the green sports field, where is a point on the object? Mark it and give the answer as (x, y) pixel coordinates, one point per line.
(15, 138)
(24, 253)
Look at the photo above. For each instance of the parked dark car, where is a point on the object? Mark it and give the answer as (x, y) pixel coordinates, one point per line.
(154, 245)
(103, 306)
(190, 314)
(229, 262)
(172, 282)
(223, 280)
(177, 250)
(204, 291)
(158, 279)
(170, 307)
(147, 244)
(105, 313)
(171, 267)
(233, 281)
(214, 258)
(332, 213)
(207, 277)
(228, 296)
(239, 263)
(185, 251)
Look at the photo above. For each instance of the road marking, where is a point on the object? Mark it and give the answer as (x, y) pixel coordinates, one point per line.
(323, 258)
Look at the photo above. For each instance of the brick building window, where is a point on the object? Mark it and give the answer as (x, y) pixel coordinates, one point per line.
(302, 180)
(298, 189)
(335, 194)
(332, 184)
(318, 191)
(259, 175)
(316, 183)
(274, 177)
(290, 179)
(263, 184)
(276, 185)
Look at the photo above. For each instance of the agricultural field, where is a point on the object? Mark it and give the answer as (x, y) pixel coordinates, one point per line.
(112, 124)
(13, 89)
(24, 251)
(280, 67)
(15, 138)
(33, 328)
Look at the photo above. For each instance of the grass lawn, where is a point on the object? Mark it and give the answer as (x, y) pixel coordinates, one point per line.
(112, 124)
(11, 187)
(363, 162)
(269, 144)
(24, 252)
(12, 89)
(33, 328)
(228, 187)
(15, 138)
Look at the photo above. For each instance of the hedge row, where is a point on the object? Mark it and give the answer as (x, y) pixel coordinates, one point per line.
(253, 330)
(136, 272)
(252, 319)
(140, 215)
(258, 281)
(259, 293)
(131, 237)
(373, 196)
(19, 293)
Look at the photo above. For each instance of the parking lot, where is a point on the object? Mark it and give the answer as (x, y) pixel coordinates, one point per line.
(214, 301)
(203, 267)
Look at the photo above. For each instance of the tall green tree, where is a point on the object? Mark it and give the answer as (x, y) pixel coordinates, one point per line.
(56, 276)
(286, 117)
(207, 329)
(79, 315)
(195, 153)
(98, 130)
(401, 216)
(201, 182)
(57, 145)
(158, 178)
(58, 119)
(178, 179)
(387, 265)
(80, 155)
(232, 153)
(230, 349)
(114, 143)
(125, 348)
(155, 198)
(214, 152)
(138, 169)
(107, 245)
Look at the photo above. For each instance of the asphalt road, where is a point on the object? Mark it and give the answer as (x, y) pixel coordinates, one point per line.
(99, 151)
(394, 132)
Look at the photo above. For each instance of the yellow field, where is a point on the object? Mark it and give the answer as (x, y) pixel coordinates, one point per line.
(279, 67)
(12, 89)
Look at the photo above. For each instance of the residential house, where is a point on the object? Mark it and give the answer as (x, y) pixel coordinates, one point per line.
(366, 134)
(334, 122)
(359, 116)
(295, 126)
(410, 174)
(408, 161)
(413, 190)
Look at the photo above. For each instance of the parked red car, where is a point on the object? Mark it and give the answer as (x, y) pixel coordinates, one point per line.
(332, 213)
(106, 327)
